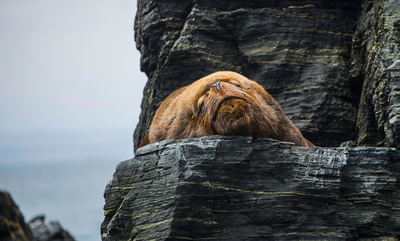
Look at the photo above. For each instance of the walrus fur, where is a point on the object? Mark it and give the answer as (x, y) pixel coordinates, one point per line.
(222, 103)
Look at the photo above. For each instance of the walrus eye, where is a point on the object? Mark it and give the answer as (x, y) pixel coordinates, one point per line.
(236, 84)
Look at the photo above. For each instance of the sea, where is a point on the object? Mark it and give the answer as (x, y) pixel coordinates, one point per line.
(63, 175)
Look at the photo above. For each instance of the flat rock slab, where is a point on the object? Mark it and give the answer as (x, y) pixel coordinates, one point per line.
(240, 188)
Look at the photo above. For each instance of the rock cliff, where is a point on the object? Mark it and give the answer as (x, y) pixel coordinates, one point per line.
(237, 188)
(334, 66)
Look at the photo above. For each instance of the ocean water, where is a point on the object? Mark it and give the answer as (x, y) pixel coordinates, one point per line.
(69, 189)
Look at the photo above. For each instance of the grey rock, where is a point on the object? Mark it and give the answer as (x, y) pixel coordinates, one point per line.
(237, 188)
(332, 65)
(51, 231)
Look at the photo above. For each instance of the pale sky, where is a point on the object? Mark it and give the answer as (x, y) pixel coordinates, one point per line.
(70, 92)
(68, 65)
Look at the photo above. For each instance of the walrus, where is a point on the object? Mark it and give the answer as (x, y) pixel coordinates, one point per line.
(222, 103)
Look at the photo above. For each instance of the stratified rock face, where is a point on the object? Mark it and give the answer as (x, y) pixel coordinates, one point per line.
(376, 61)
(334, 66)
(237, 188)
(313, 57)
(12, 223)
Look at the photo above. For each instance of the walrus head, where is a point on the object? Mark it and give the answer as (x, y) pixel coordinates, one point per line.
(223, 103)
(231, 107)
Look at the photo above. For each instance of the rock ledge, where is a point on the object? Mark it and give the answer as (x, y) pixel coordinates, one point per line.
(236, 188)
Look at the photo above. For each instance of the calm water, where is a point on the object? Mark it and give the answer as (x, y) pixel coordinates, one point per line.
(69, 193)
(69, 189)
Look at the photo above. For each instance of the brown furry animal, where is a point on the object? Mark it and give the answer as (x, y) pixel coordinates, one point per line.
(223, 103)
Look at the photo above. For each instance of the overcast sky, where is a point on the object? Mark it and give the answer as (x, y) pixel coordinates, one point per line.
(70, 91)
(68, 65)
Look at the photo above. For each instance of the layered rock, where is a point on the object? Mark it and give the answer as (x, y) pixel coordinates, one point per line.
(334, 66)
(237, 188)
(376, 62)
(318, 58)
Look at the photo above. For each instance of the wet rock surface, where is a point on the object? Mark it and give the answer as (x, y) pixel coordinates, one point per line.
(237, 188)
(332, 65)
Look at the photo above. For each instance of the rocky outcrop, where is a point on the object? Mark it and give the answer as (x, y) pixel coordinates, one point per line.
(332, 65)
(237, 188)
(13, 226)
(52, 231)
(12, 223)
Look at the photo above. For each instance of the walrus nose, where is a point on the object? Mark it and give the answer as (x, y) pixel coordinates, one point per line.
(217, 86)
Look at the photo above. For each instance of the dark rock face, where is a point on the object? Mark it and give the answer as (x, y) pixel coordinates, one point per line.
(376, 61)
(12, 223)
(237, 188)
(332, 65)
